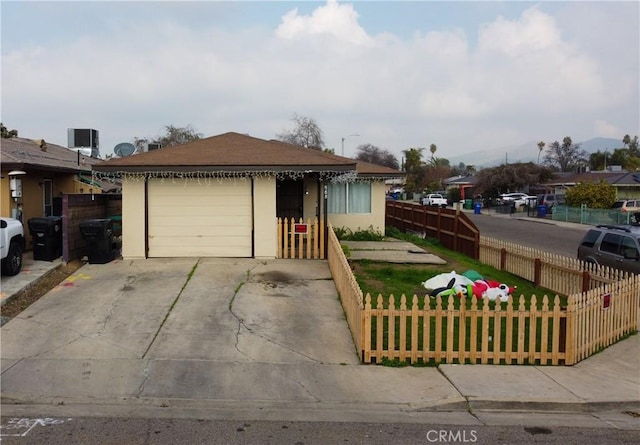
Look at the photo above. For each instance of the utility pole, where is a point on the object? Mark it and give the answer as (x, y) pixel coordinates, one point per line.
(354, 134)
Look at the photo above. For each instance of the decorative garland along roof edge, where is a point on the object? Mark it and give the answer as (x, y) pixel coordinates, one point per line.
(206, 176)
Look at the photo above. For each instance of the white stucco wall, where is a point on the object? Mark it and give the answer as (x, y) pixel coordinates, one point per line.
(264, 217)
(133, 234)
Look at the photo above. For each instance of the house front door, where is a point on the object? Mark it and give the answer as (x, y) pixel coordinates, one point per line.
(289, 194)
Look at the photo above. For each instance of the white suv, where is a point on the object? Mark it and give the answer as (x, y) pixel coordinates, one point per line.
(518, 199)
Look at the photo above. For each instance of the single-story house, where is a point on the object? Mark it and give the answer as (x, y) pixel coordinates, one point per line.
(627, 184)
(464, 183)
(35, 175)
(221, 196)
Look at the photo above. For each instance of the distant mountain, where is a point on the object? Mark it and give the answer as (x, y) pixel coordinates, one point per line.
(527, 152)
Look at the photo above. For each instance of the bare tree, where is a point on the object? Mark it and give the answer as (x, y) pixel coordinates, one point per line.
(510, 178)
(173, 136)
(375, 155)
(566, 156)
(306, 133)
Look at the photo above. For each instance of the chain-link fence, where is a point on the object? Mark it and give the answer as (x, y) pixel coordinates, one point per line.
(585, 215)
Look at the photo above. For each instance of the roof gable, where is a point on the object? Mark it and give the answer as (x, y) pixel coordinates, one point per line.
(230, 150)
(235, 152)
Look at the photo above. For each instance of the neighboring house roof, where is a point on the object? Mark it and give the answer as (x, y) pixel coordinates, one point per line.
(20, 153)
(235, 153)
(613, 178)
(461, 180)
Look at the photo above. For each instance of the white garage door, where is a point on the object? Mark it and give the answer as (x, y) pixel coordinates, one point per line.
(187, 219)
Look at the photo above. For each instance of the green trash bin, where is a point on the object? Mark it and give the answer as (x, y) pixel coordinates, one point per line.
(468, 204)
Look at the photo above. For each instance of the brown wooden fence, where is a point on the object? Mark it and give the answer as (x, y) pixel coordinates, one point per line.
(453, 228)
(77, 208)
(300, 240)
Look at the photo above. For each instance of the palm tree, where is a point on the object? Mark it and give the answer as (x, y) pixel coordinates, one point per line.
(541, 145)
(433, 149)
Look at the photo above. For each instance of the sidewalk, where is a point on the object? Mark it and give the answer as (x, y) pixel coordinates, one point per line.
(32, 271)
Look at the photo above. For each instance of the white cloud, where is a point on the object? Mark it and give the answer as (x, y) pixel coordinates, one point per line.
(523, 77)
(334, 19)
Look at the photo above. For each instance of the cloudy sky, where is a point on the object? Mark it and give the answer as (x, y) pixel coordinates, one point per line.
(465, 76)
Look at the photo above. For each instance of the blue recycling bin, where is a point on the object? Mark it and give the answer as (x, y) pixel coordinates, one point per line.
(476, 208)
(542, 211)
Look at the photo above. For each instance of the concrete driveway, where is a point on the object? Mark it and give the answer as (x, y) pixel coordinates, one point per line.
(135, 337)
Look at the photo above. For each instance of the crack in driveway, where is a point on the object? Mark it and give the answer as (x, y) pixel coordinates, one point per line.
(242, 324)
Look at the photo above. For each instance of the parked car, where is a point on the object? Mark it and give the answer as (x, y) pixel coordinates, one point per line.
(613, 246)
(434, 199)
(626, 206)
(550, 200)
(11, 245)
(517, 199)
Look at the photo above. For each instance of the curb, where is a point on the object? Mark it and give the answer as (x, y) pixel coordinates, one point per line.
(29, 286)
(524, 406)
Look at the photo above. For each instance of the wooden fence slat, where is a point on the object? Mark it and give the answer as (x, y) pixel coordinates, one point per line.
(473, 331)
(533, 322)
(462, 330)
(508, 348)
(484, 352)
(414, 329)
(497, 341)
(438, 335)
(450, 332)
(403, 328)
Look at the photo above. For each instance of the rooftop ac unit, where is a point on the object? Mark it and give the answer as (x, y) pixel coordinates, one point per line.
(151, 147)
(82, 137)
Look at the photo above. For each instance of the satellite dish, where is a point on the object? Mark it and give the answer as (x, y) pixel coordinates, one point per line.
(124, 149)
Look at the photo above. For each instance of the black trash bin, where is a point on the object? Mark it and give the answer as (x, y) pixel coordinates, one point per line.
(98, 236)
(47, 237)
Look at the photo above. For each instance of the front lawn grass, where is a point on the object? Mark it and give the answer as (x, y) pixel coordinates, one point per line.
(387, 278)
(405, 279)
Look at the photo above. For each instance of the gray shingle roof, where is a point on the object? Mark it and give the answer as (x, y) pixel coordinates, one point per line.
(21, 153)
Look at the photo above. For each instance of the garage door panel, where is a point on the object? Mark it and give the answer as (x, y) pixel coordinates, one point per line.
(201, 251)
(199, 231)
(215, 188)
(178, 213)
(205, 220)
(216, 201)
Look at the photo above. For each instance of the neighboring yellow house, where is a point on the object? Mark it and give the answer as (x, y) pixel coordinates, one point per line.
(221, 196)
(42, 173)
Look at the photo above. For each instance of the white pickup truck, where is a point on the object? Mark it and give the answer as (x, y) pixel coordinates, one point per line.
(434, 199)
(11, 245)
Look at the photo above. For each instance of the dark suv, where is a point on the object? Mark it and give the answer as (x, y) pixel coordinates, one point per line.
(613, 246)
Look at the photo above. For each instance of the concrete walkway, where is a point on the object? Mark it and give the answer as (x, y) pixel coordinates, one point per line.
(266, 340)
(391, 251)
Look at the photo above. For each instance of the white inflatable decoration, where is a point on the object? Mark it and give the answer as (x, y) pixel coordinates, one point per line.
(444, 279)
